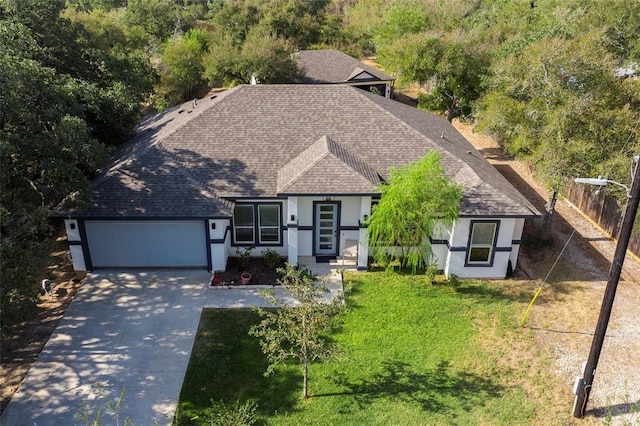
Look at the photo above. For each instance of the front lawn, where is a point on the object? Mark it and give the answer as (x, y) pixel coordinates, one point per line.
(412, 354)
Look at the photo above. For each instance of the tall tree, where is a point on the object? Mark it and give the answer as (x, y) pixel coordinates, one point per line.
(181, 68)
(418, 201)
(298, 332)
(562, 109)
(454, 69)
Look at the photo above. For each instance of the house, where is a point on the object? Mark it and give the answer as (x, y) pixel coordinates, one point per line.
(335, 67)
(291, 168)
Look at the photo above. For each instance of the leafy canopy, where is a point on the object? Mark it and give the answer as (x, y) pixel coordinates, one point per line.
(419, 202)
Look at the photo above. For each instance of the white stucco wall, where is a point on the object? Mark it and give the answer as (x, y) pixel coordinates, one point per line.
(508, 228)
(75, 250)
(219, 251)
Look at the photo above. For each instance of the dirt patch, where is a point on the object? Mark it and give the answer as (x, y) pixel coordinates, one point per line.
(261, 273)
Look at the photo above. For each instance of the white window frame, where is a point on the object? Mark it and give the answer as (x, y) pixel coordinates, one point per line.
(275, 227)
(237, 227)
(256, 227)
(491, 246)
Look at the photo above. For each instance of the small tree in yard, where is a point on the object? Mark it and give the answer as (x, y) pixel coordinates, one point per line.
(418, 198)
(298, 331)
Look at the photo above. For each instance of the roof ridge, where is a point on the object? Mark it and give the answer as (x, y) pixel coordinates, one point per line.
(309, 165)
(351, 159)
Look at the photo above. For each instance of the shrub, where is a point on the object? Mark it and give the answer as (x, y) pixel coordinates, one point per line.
(271, 258)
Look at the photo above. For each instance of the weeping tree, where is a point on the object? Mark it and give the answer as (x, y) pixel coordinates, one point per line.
(418, 200)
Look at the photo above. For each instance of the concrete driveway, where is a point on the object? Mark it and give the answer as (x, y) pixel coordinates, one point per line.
(124, 330)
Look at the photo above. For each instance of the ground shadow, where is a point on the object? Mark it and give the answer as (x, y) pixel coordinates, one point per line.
(437, 390)
(534, 253)
(616, 410)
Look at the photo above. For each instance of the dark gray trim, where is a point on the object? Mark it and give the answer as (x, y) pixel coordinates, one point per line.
(516, 242)
(452, 249)
(349, 228)
(438, 242)
(74, 243)
(305, 228)
(85, 245)
(256, 226)
(207, 231)
(338, 194)
(503, 249)
(148, 218)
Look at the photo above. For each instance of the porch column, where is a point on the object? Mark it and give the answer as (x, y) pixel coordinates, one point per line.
(363, 238)
(292, 230)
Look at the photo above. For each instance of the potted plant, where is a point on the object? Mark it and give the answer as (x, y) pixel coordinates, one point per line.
(245, 277)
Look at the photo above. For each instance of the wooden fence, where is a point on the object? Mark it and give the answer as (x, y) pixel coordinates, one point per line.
(604, 210)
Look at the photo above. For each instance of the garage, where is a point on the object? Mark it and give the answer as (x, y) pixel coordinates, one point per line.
(145, 244)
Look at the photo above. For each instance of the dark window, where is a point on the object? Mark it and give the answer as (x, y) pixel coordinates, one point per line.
(257, 224)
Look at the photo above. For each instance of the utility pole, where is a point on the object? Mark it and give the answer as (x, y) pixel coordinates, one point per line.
(583, 384)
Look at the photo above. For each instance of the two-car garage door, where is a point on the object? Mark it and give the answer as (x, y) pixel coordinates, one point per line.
(127, 244)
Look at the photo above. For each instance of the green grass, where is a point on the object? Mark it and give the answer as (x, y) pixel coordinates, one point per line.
(411, 354)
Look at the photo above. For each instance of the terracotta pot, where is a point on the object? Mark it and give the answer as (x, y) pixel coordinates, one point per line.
(245, 277)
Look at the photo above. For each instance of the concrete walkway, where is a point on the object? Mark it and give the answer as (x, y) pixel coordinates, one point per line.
(131, 330)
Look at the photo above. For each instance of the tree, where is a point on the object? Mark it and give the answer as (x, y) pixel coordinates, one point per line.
(181, 70)
(297, 332)
(418, 200)
(62, 101)
(454, 68)
(564, 111)
(262, 55)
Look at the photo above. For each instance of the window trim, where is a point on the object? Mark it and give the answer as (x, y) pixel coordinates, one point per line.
(257, 241)
(277, 226)
(237, 227)
(492, 247)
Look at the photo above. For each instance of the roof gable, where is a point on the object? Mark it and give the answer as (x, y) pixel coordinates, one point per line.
(333, 66)
(359, 74)
(326, 167)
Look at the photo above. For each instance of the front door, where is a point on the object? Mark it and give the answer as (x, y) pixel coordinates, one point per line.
(326, 229)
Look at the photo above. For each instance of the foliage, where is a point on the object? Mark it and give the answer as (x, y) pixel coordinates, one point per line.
(298, 332)
(62, 101)
(271, 258)
(262, 55)
(455, 70)
(181, 67)
(418, 201)
(226, 414)
(244, 254)
(563, 110)
(94, 417)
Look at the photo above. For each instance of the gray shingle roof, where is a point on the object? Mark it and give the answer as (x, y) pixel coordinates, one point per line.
(333, 66)
(326, 167)
(265, 140)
